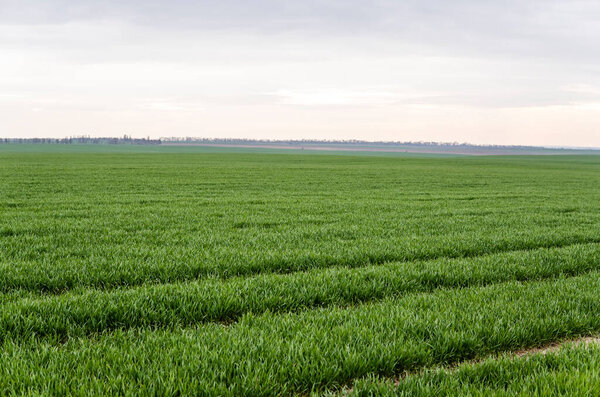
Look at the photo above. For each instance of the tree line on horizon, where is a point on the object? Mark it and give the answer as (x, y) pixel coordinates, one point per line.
(126, 139)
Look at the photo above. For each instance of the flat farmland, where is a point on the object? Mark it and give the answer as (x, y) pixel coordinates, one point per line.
(199, 271)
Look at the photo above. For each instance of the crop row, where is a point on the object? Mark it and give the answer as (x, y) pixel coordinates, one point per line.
(164, 265)
(311, 350)
(184, 304)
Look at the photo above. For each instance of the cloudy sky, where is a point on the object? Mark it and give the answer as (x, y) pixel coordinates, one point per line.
(487, 72)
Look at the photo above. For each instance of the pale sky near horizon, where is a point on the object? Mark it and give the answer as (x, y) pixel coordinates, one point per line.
(477, 71)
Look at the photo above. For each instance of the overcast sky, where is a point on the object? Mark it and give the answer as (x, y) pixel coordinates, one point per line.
(488, 72)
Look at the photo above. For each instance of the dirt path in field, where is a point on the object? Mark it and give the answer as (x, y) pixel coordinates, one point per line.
(550, 348)
(556, 346)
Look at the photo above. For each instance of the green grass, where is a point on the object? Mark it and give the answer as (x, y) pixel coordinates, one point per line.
(253, 272)
(317, 349)
(213, 300)
(113, 220)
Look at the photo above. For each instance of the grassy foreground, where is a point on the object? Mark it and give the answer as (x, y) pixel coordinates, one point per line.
(267, 273)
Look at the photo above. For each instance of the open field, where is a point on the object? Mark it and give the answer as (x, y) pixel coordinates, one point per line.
(237, 271)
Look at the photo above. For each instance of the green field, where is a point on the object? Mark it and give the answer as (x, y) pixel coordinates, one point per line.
(190, 270)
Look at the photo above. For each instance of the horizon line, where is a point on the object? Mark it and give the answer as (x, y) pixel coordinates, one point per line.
(87, 139)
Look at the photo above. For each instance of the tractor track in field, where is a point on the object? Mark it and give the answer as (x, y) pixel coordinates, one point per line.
(525, 352)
